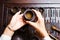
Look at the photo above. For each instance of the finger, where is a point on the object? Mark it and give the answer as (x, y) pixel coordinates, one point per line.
(21, 15)
(29, 22)
(18, 13)
(37, 13)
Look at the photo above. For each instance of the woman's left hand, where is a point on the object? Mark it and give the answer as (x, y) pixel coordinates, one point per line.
(16, 21)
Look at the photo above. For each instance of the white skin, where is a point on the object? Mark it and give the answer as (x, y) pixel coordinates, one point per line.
(39, 25)
(17, 22)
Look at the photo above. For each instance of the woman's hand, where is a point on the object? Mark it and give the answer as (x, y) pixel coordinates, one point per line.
(16, 21)
(39, 25)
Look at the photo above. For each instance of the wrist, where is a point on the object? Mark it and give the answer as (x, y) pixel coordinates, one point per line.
(8, 32)
(44, 34)
(41, 33)
(10, 28)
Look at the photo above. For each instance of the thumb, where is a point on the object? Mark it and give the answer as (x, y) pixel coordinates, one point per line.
(21, 15)
(18, 13)
(31, 23)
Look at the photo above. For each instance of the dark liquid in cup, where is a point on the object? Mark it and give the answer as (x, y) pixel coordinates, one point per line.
(30, 15)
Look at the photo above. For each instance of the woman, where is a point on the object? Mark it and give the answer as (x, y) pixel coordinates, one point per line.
(17, 22)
